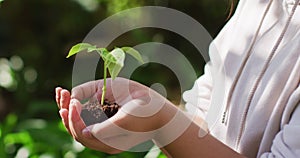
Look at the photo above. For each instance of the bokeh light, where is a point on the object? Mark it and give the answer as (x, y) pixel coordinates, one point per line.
(6, 78)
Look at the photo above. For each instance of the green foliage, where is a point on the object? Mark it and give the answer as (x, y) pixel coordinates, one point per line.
(80, 47)
(36, 138)
(133, 53)
(113, 61)
(39, 32)
(114, 6)
(161, 155)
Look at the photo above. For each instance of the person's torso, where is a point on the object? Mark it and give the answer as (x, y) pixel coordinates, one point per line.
(275, 85)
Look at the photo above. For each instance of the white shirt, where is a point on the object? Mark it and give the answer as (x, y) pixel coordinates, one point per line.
(272, 123)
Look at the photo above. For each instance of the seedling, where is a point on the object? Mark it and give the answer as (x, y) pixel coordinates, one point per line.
(113, 61)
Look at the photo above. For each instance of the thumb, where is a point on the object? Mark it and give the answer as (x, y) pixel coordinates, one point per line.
(86, 132)
(119, 138)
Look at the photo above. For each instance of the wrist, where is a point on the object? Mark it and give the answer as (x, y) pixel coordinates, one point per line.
(172, 124)
(166, 114)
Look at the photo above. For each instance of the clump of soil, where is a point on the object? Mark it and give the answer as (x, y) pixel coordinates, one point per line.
(110, 109)
(94, 112)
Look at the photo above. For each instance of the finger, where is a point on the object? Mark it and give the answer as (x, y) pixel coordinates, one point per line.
(93, 143)
(106, 129)
(86, 90)
(76, 124)
(116, 137)
(64, 99)
(57, 95)
(64, 114)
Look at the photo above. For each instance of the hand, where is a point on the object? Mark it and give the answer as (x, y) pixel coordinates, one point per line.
(70, 114)
(143, 112)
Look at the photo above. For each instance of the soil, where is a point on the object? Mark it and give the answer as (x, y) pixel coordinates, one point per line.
(94, 112)
(110, 109)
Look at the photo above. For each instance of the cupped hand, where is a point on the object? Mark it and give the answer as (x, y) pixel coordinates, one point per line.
(142, 113)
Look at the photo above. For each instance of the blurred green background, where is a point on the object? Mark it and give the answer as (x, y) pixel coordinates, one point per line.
(35, 36)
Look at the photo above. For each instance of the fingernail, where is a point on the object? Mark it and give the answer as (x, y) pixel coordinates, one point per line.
(73, 101)
(60, 113)
(86, 132)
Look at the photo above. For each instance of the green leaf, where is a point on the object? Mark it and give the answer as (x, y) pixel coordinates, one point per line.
(102, 52)
(21, 137)
(80, 47)
(133, 53)
(115, 62)
(11, 120)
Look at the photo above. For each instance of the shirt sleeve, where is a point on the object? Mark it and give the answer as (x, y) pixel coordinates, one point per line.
(198, 98)
(287, 143)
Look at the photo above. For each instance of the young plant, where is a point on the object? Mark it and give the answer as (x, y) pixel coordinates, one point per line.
(113, 61)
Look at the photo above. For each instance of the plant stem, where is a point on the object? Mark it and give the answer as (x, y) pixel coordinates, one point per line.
(104, 83)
